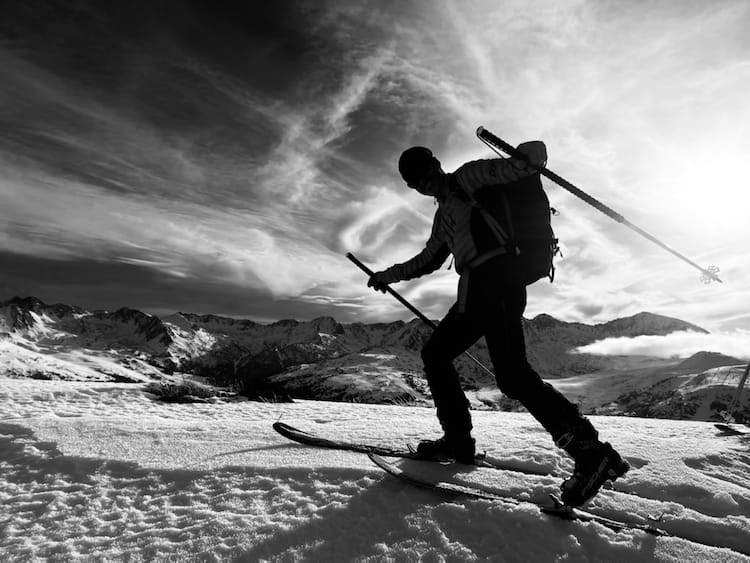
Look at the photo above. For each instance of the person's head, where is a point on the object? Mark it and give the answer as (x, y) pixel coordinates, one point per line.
(421, 170)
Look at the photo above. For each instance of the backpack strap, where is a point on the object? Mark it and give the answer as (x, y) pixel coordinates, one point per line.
(502, 237)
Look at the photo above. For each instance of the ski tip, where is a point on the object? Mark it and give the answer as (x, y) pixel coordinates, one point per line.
(727, 430)
(480, 130)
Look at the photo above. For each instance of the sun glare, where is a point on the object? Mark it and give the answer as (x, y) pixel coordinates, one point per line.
(707, 195)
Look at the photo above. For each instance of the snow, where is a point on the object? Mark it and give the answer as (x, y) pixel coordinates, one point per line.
(98, 470)
(21, 357)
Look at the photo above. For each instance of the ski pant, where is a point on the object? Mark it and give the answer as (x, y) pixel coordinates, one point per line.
(493, 310)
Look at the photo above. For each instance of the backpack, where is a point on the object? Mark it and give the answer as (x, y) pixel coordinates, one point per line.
(521, 209)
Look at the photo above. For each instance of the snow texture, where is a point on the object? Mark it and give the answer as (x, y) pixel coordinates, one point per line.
(101, 471)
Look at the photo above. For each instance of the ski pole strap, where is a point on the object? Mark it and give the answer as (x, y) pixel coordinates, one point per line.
(500, 234)
(495, 142)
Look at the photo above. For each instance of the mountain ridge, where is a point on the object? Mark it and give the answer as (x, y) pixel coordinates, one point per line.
(289, 354)
(640, 323)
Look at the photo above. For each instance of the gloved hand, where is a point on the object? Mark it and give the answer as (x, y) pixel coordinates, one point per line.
(379, 281)
(535, 153)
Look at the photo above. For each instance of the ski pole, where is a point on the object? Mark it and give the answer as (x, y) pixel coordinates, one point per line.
(495, 142)
(413, 309)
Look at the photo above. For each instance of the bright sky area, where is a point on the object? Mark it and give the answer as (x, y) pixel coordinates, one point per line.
(180, 158)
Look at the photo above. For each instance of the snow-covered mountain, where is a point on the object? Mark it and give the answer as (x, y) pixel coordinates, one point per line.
(695, 396)
(317, 359)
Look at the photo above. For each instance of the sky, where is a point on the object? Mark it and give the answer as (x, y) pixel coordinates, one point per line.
(177, 156)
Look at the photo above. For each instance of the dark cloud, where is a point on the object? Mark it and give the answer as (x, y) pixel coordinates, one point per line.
(121, 96)
(103, 285)
(99, 285)
(589, 311)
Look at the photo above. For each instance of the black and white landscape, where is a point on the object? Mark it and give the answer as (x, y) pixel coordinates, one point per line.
(364, 363)
(94, 465)
(221, 158)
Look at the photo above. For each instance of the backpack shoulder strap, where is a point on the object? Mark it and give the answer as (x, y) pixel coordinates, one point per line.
(502, 237)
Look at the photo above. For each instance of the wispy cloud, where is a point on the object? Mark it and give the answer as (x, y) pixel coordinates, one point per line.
(638, 127)
(261, 163)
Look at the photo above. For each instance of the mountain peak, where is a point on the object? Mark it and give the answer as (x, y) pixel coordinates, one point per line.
(31, 303)
(327, 325)
(546, 321)
(645, 323)
(704, 360)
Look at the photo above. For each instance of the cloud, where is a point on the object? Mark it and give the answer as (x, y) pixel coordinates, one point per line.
(682, 344)
(182, 239)
(260, 158)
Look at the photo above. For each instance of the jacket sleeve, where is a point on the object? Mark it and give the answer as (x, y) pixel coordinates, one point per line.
(431, 257)
(479, 173)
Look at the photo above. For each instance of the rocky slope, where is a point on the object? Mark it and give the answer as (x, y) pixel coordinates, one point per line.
(692, 396)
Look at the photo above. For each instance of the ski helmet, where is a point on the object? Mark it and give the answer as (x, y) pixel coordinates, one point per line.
(415, 163)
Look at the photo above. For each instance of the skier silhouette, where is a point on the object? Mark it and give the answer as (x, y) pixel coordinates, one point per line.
(490, 303)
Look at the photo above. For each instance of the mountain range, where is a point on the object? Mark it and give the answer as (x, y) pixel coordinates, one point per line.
(227, 350)
(375, 363)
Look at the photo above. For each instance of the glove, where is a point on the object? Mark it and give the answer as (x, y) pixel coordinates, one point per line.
(379, 281)
(535, 153)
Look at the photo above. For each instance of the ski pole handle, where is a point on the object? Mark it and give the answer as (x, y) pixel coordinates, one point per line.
(395, 294)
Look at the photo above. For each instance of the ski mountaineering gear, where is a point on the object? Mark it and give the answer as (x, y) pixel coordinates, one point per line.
(411, 307)
(495, 143)
(460, 448)
(409, 453)
(554, 507)
(518, 217)
(460, 227)
(596, 462)
(491, 294)
(474, 222)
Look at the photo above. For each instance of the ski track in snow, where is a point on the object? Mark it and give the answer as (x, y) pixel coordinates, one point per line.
(101, 471)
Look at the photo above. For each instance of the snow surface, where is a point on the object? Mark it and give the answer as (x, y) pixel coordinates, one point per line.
(102, 471)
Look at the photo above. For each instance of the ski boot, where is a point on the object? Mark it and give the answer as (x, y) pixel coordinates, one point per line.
(460, 448)
(596, 462)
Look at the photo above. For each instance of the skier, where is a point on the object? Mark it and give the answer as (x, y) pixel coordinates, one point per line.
(490, 303)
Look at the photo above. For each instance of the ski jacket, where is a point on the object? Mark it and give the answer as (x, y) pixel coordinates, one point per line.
(458, 227)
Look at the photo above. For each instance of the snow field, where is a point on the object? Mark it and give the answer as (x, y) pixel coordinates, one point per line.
(100, 471)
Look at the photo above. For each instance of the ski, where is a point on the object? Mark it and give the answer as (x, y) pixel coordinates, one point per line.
(729, 430)
(554, 507)
(309, 439)
(409, 452)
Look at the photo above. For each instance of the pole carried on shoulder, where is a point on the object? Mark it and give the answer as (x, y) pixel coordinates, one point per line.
(412, 308)
(495, 142)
